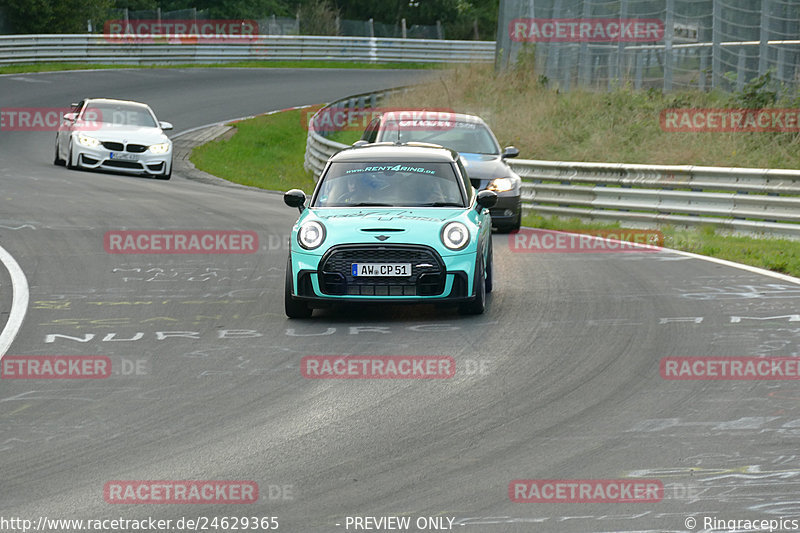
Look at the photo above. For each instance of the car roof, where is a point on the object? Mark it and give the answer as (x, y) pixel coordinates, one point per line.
(431, 114)
(116, 101)
(397, 152)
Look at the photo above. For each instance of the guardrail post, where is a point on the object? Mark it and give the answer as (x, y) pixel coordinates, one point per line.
(669, 30)
(403, 28)
(639, 58)
(763, 41)
(584, 57)
(741, 72)
(716, 47)
(703, 67)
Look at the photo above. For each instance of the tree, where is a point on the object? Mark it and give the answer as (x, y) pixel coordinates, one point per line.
(54, 16)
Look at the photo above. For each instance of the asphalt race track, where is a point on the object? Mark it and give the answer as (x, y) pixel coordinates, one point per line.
(558, 380)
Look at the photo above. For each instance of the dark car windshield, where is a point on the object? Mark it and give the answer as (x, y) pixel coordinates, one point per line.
(118, 114)
(389, 184)
(469, 137)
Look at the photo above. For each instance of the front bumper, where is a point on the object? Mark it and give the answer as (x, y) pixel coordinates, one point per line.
(123, 161)
(327, 279)
(506, 211)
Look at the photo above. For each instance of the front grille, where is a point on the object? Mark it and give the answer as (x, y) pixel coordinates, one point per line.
(427, 271)
(122, 164)
(136, 148)
(117, 147)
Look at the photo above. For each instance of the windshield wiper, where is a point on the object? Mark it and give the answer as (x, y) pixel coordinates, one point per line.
(441, 204)
(369, 204)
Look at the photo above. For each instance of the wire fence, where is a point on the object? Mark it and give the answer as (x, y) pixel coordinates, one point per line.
(695, 43)
(274, 25)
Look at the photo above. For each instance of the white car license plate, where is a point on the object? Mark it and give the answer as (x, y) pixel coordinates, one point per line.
(123, 157)
(381, 269)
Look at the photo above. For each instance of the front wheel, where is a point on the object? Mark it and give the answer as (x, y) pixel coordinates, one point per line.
(490, 268)
(167, 175)
(293, 308)
(56, 158)
(70, 164)
(478, 305)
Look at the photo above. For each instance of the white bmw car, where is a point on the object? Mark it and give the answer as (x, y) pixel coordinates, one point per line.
(119, 135)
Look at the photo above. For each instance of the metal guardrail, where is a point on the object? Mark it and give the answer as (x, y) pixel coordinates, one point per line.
(17, 49)
(741, 200)
(318, 148)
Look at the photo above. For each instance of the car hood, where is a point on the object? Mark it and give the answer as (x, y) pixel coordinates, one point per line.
(485, 167)
(384, 225)
(129, 134)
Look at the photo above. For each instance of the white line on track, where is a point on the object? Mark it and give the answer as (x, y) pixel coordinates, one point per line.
(19, 299)
(724, 262)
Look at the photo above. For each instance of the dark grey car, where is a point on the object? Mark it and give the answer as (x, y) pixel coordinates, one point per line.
(473, 140)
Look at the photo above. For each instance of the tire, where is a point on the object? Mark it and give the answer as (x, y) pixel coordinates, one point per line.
(57, 160)
(478, 305)
(166, 176)
(293, 308)
(490, 268)
(69, 157)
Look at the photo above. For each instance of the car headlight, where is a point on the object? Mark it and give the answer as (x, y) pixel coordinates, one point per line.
(500, 185)
(311, 235)
(162, 148)
(455, 235)
(89, 142)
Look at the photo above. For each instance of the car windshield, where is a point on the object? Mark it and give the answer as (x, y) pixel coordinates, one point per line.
(119, 115)
(470, 137)
(389, 184)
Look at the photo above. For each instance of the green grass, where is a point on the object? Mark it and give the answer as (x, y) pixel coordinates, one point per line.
(50, 67)
(265, 152)
(268, 152)
(346, 137)
(620, 126)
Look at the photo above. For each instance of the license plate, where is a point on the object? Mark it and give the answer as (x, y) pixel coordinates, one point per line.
(381, 269)
(123, 157)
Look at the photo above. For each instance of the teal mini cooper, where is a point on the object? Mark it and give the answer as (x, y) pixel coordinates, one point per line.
(387, 224)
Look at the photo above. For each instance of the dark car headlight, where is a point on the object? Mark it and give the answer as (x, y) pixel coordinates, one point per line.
(455, 235)
(311, 235)
(500, 185)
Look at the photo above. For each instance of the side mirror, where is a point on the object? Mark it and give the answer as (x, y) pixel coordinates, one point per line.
(70, 117)
(360, 142)
(486, 200)
(165, 125)
(509, 152)
(295, 198)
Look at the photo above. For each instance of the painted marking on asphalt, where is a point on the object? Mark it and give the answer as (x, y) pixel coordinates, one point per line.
(19, 299)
